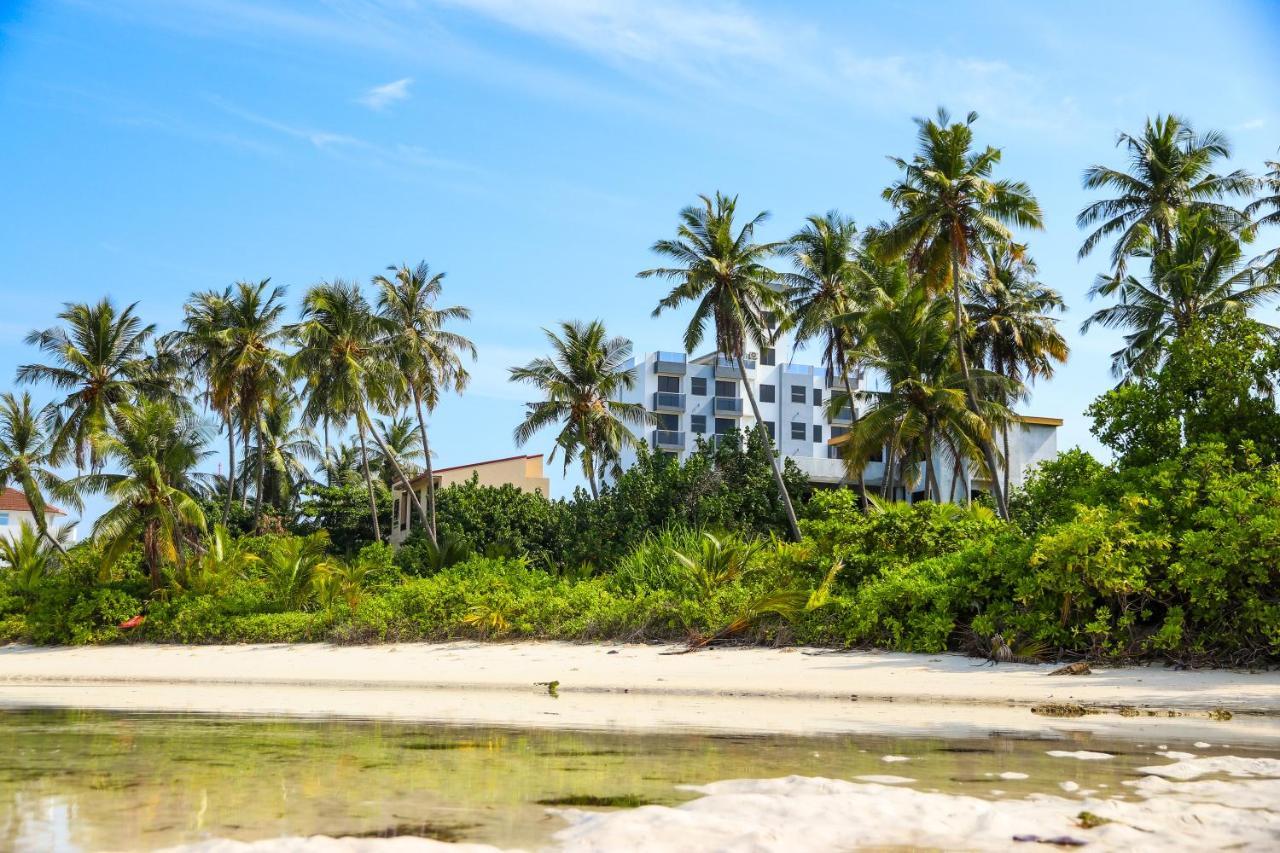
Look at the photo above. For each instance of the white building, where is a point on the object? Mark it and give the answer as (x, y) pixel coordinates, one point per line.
(15, 512)
(703, 397)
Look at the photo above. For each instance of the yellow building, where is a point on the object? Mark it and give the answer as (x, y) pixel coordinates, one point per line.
(523, 472)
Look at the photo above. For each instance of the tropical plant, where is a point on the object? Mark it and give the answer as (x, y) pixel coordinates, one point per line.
(155, 450)
(428, 356)
(291, 566)
(26, 449)
(1170, 171)
(98, 359)
(1270, 185)
(718, 560)
(282, 451)
(27, 559)
(723, 271)
(400, 437)
(580, 384)
(950, 212)
(218, 561)
(1202, 274)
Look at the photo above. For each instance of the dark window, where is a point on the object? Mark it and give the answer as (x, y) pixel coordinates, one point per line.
(698, 386)
(837, 431)
(770, 320)
(769, 357)
(698, 423)
(817, 396)
(798, 431)
(669, 384)
(817, 433)
(766, 394)
(768, 427)
(668, 422)
(724, 426)
(878, 456)
(799, 394)
(726, 388)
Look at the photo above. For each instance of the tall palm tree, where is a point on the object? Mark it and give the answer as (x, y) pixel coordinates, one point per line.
(950, 210)
(282, 452)
(98, 359)
(344, 364)
(400, 436)
(1269, 184)
(830, 282)
(25, 450)
(723, 271)
(428, 355)
(1170, 169)
(154, 450)
(1201, 275)
(1014, 334)
(580, 384)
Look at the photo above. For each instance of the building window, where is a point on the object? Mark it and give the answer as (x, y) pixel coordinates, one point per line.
(766, 394)
(817, 433)
(799, 393)
(668, 422)
(669, 384)
(798, 431)
(698, 423)
(726, 388)
(769, 428)
(769, 357)
(837, 431)
(817, 396)
(878, 456)
(698, 386)
(4, 519)
(724, 426)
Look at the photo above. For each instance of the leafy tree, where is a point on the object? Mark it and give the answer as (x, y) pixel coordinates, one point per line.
(98, 359)
(342, 510)
(722, 270)
(950, 212)
(25, 453)
(1170, 173)
(282, 452)
(580, 384)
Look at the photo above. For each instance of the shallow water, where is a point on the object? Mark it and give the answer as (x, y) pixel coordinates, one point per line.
(91, 780)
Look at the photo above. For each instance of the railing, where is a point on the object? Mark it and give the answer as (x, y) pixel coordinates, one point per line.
(727, 368)
(799, 369)
(667, 439)
(727, 406)
(836, 380)
(673, 363)
(668, 401)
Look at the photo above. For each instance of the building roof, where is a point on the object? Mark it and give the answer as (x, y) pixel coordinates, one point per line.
(12, 499)
(437, 471)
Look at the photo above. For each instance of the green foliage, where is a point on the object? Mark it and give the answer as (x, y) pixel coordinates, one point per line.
(1053, 488)
(342, 511)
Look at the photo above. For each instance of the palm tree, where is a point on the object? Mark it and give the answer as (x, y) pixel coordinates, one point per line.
(723, 271)
(1202, 274)
(950, 210)
(98, 359)
(428, 356)
(341, 462)
(281, 452)
(400, 437)
(25, 451)
(1170, 169)
(1270, 186)
(924, 406)
(580, 384)
(27, 559)
(344, 365)
(829, 282)
(154, 449)
(1013, 332)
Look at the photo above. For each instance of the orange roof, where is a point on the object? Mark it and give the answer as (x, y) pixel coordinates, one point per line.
(12, 499)
(438, 471)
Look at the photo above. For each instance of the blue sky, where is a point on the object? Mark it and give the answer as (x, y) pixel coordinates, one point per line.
(534, 149)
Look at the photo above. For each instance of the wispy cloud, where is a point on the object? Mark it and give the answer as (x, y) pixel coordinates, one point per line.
(381, 97)
(1252, 124)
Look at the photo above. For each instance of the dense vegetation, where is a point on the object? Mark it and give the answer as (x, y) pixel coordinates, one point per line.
(1170, 550)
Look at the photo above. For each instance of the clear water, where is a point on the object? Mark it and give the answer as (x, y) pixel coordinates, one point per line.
(90, 780)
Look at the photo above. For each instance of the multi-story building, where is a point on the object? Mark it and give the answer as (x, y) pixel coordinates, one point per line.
(703, 397)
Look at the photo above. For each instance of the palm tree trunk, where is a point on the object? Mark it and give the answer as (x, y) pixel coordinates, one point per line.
(1004, 431)
(589, 468)
(262, 463)
(368, 480)
(853, 421)
(971, 389)
(931, 482)
(244, 466)
(400, 475)
(426, 457)
(328, 461)
(231, 468)
(792, 524)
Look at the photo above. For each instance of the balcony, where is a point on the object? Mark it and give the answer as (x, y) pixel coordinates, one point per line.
(668, 439)
(668, 401)
(727, 368)
(835, 380)
(844, 416)
(670, 363)
(727, 406)
(832, 470)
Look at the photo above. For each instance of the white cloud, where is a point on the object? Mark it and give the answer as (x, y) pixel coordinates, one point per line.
(1252, 124)
(381, 97)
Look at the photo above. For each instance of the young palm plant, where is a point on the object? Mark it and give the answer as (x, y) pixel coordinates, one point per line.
(950, 211)
(580, 384)
(27, 559)
(25, 452)
(722, 270)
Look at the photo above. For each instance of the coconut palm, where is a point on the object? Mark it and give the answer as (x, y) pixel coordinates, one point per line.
(1270, 186)
(25, 453)
(950, 211)
(98, 359)
(400, 436)
(721, 269)
(1202, 274)
(428, 355)
(282, 451)
(580, 384)
(1014, 334)
(1170, 169)
(154, 450)
(830, 282)
(27, 558)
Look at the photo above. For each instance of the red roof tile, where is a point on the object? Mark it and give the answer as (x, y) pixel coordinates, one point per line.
(13, 499)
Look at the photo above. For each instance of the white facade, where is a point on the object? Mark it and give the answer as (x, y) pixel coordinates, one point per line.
(15, 512)
(701, 397)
